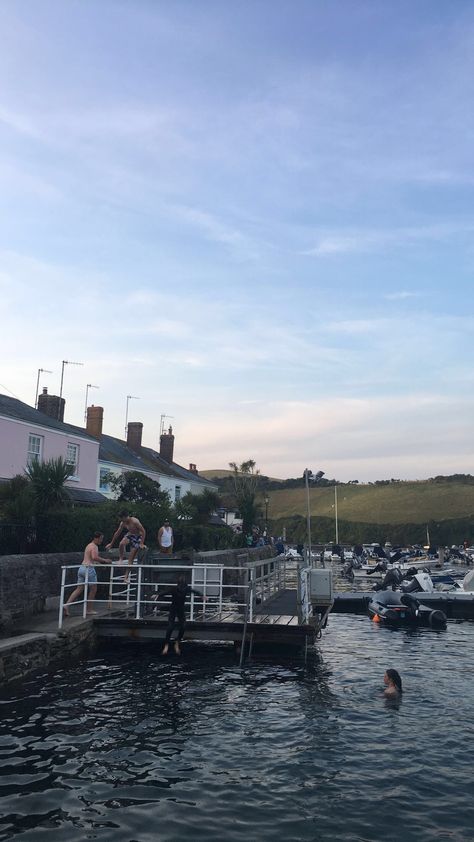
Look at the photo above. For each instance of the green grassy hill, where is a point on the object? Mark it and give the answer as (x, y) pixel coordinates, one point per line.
(404, 502)
(217, 473)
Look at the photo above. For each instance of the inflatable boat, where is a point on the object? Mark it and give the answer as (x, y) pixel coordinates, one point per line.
(393, 608)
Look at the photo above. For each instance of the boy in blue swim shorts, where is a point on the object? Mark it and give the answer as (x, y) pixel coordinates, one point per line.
(87, 570)
(135, 536)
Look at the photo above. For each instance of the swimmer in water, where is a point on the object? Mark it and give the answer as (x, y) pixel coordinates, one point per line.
(179, 595)
(393, 684)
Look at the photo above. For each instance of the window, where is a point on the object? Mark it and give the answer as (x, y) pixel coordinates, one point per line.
(177, 493)
(72, 457)
(35, 449)
(104, 477)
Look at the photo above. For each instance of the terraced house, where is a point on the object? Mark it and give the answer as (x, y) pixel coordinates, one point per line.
(117, 456)
(27, 433)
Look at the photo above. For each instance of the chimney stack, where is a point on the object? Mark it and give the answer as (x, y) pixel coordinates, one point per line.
(51, 405)
(95, 417)
(167, 445)
(192, 467)
(134, 434)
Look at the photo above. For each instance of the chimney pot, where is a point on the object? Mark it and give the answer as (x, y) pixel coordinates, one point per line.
(167, 445)
(51, 405)
(95, 417)
(134, 434)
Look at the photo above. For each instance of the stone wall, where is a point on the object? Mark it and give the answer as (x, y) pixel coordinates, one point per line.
(21, 655)
(26, 581)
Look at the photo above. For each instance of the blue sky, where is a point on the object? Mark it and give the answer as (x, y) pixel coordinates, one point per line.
(257, 217)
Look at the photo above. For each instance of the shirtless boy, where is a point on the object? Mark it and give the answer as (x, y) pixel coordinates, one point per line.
(135, 536)
(91, 557)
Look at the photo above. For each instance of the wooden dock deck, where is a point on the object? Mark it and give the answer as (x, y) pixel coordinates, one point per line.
(274, 623)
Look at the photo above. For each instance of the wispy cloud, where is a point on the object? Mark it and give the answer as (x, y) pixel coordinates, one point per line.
(401, 296)
(222, 217)
(379, 240)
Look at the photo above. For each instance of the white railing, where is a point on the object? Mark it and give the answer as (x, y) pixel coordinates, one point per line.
(270, 577)
(235, 589)
(140, 594)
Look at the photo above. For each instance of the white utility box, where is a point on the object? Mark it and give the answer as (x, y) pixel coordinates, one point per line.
(320, 586)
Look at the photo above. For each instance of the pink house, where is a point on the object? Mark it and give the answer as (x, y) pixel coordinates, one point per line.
(27, 434)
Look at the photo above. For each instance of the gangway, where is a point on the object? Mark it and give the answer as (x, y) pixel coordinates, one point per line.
(239, 604)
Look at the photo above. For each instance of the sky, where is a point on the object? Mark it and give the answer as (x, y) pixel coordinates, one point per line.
(256, 218)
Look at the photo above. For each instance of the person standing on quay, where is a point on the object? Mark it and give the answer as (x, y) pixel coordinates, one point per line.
(166, 538)
(91, 557)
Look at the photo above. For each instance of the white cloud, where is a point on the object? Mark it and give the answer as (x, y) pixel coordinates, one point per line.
(366, 240)
(348, 439)
(401, 296)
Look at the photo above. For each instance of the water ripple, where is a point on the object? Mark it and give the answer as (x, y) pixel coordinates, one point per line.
(127, 747)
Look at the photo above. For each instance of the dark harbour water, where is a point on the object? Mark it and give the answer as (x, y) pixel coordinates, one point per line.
(131, 748)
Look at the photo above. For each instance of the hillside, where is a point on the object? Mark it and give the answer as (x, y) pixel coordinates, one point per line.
(404, 502)
(218, 473)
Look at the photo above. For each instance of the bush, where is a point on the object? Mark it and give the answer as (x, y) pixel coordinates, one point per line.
(71, 529)
(202, 538)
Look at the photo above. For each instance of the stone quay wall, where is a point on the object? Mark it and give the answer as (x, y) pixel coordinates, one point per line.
(30, 584)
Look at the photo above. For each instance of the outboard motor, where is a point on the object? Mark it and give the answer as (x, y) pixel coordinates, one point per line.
(347, 569)
(468, 581)
(392, 579)
(437, 619)
(421, 582)
(380, 567)
(411, 603)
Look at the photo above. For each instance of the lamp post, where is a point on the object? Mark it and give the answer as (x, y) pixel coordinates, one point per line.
(308, 475)
(335, 513)
(266, 500)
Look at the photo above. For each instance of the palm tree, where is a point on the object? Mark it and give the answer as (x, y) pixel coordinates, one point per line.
(47, 483)
(197, 507)
(246, 480)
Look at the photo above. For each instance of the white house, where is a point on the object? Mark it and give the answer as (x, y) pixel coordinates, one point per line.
(117, 456)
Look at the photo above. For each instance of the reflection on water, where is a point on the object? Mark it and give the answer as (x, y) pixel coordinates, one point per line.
(127, 746)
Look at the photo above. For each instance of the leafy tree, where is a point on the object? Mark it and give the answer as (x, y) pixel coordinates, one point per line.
(16, 500)
(246, 482)
(135, 487)
(47, 483)
(197, 508)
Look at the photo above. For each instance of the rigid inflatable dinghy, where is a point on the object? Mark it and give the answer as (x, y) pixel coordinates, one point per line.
(403, 609)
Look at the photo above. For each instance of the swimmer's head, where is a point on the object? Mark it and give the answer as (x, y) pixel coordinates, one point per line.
(393, 677)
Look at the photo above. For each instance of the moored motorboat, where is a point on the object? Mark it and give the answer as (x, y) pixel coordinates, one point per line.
(393, 608)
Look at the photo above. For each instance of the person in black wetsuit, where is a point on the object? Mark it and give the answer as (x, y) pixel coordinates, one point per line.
(178, 595)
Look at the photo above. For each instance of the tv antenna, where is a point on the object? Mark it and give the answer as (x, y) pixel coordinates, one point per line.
(40, 371)
(162, 422)
(129, 398)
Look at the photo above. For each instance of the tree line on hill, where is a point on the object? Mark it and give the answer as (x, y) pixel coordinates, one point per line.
(38, 515)
(442, 533)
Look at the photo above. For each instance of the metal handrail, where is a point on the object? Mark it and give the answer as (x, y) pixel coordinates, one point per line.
(135, 588)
